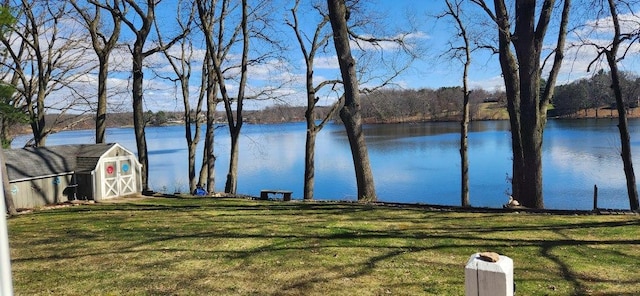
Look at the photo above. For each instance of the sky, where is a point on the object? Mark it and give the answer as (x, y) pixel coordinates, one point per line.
(282, 72)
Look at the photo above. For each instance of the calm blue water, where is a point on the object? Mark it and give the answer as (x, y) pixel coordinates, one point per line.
(415, 163)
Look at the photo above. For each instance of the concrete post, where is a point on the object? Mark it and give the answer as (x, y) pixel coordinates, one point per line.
(485, 278)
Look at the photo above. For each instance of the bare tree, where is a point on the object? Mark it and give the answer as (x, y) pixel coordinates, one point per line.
(235, 121)
(181, 63)
(317, 41)
(209, 83)
(350, 112)
(312, 43)
(215, 49)
(251, 28)
(621, 41)
(463, 52)
(47, 55)
(103, 46)
(140, 24)
(521, 72)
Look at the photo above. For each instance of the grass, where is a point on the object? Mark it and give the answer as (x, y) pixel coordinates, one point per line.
(210, 246)
(492, 111)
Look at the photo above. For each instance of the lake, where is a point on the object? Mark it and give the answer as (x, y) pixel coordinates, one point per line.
(412, 163)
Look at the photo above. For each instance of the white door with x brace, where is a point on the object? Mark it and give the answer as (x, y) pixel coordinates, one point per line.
(119, 177)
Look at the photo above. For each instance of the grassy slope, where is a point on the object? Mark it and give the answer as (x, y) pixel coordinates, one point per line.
(491, 111)
(241, 247)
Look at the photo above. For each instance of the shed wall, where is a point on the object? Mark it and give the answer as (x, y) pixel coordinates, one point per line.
(40, 192)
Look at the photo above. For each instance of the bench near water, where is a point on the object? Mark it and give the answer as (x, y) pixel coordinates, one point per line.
(286, 195)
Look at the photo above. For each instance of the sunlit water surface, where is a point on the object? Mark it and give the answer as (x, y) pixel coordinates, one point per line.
(412, 163)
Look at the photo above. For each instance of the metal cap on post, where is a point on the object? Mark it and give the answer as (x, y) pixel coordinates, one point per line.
(488, 274)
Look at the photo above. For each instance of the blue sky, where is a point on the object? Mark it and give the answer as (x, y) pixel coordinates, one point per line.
(284, 73)
(432, 69)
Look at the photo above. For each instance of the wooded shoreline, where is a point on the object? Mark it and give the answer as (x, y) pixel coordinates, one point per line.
(486, 111)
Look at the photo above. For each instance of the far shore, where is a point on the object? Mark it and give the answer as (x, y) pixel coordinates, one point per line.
(486, 112)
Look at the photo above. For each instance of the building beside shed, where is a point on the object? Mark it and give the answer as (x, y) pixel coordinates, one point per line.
(40, 176)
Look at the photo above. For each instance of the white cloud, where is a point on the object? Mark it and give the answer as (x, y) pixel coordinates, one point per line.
(326, 62)
(489, 84)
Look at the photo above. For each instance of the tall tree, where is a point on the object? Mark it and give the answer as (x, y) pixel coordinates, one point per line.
(521, 72)
(181, 61)
(209, 83)
(140, 24)
(350, 112)
(235, 121)
(103, 45)
(319, 39)
(45, 56)
(386, 65)
(237, 26)
(612, 55)
(217, 55)
(462, 52)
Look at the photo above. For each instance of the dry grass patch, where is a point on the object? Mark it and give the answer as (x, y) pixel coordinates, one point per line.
(241, 247)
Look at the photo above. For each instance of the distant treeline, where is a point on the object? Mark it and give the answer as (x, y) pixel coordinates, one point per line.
(408, 105)
(391, 106)
(385, 106)
(594, 93)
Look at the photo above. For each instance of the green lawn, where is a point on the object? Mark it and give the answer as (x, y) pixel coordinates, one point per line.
(210, 246)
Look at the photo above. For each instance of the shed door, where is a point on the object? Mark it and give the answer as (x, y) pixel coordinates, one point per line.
(119, 177)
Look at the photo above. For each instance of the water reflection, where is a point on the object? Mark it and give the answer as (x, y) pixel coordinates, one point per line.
(417, 163)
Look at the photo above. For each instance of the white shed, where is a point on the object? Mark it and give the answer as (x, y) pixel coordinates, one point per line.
(53, 174)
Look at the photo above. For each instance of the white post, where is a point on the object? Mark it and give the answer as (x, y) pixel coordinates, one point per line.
(6, 282)
(486, 278)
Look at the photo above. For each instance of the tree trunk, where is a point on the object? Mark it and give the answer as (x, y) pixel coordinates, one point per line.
(625, 138)
(138, 117)
(350, 112)
(232, 176)
(209, 157)
(464, 123)
(192, 138)
(8, 196)
(38, 123)
(364, 177)
(464, 149)
(527, 108)
(5, 141)
(101, 112)
(309, 159)
(509, 68)
(235, 120)
(207, 175)
(531, 128)
(192, 144)
(318, 40)
(527, 48)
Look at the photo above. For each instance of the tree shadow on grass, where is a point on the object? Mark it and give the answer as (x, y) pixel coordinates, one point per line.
(284, 229)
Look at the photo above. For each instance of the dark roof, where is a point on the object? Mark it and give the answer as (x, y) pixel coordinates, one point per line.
(34, 162)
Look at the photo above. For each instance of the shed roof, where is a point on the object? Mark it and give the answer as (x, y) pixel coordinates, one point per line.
(37, 162)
